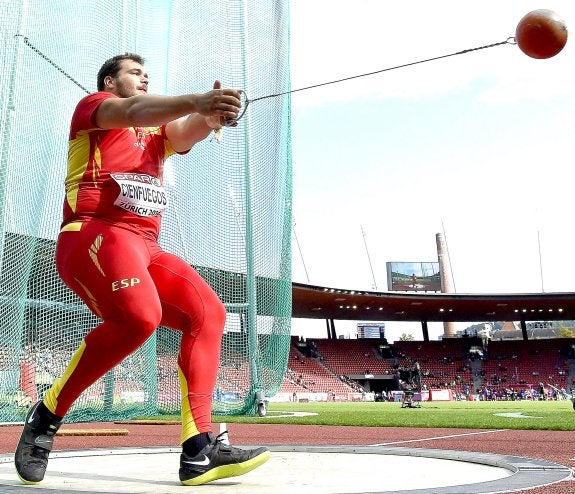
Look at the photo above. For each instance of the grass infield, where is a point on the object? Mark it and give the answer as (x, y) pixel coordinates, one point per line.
(538, 415)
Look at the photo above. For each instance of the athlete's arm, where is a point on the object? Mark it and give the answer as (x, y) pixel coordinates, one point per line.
(153, 110)
(184, 132)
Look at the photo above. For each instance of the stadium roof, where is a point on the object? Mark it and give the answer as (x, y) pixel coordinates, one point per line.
(317, 302)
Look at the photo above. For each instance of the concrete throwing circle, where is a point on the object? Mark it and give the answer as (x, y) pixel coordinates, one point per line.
(301, 469)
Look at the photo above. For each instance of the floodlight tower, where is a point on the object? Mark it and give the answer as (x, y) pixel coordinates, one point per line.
(446, 279)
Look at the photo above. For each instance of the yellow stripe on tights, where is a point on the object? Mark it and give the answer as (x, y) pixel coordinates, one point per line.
(51, 398)
(189, 428)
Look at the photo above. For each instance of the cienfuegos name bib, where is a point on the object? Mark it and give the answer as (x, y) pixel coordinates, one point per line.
(140, 194)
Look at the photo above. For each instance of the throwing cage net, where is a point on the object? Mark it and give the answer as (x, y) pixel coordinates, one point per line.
(230, 202)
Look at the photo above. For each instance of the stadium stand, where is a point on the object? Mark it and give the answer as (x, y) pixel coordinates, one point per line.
(345, 357)
(470, 367)
(311, 376)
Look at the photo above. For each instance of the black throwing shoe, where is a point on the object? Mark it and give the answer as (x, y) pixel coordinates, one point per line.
(31, 458)
(219, 460)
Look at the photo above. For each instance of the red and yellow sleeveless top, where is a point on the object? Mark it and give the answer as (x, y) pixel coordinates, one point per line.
(115, 175)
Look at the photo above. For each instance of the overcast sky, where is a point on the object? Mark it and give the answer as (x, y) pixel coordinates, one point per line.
(480, 146)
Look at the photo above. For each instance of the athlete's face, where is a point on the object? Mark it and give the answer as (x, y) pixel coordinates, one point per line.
(131, 80)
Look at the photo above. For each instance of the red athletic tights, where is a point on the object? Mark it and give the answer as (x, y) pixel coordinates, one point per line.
(134, 286)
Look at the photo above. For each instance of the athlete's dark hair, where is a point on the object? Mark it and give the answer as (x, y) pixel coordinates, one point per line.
(111, 67)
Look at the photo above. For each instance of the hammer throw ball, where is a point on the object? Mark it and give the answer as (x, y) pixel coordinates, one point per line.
(541, 34)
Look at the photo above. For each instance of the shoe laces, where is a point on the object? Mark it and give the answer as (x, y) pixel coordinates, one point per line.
(222, 440)
(222, 437)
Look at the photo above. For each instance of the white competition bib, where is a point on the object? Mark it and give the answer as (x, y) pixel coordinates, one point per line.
(140, 194)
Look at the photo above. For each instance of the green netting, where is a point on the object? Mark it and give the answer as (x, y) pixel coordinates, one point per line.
(230, 203)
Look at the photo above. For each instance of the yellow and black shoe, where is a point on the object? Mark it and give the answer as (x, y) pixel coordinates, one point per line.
(219, 460)
(31, 458)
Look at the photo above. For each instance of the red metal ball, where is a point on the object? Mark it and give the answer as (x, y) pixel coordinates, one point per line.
(541, 34)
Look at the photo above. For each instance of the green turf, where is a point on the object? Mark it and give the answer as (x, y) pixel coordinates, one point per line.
(542, 415)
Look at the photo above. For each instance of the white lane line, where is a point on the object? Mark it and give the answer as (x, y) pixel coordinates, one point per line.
(281, 414)
(440, 437)
(516, 415)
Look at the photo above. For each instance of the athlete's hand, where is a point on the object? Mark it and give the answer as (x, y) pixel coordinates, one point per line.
(219, 105)
(215, 122)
